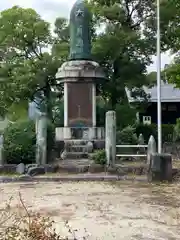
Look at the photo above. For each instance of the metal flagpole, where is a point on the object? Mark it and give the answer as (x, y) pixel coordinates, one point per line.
(159, 79)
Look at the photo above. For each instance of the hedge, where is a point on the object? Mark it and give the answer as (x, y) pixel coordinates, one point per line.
(148, 130)
(20, 142)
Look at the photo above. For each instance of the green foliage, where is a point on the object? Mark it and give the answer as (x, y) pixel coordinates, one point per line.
(101, 109)
(99, 157)
(20, 142)
(176, 135)
(172, 72)
(125, 115)
(152, 78)
(26, 68)
(167, 132)
(169, 25)
(148, 130)
(170, 12)
(58, 113)
(127, 136)
(18, 111)
(120, 48)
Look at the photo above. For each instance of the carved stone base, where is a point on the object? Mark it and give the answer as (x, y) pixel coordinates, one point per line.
(160, 168)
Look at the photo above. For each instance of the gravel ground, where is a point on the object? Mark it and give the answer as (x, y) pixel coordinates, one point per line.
(99, 210)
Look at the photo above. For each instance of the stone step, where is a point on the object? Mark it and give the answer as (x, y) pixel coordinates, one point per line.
(76, 151)
(78, 146)
(76, 155)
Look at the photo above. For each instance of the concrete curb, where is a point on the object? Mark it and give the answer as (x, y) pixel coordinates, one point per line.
(108, 178)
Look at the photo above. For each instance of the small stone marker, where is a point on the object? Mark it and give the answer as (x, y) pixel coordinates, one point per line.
(64, 154)
(89, 146)
(85, 134)
(141, 139)
(151, 148)
(20, 168)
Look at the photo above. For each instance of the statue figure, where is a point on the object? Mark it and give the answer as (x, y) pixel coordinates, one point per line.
(80, 32)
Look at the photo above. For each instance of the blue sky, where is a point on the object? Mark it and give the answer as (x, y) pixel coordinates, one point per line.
(51, 9)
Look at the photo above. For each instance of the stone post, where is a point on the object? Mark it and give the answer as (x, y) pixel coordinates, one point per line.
(141, 150)
(1, 149)
(41, 139)
(151, 148)
(141, 139)
(159, 165)
(110, 138)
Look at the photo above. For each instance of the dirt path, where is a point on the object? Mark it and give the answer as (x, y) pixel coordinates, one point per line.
(107, 211)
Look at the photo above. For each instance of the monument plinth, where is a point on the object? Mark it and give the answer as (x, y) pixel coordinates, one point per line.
(79, 78)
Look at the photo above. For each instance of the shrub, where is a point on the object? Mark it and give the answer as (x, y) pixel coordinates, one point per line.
(125, 115)
(176, 132)
(167, 132)
(148, 130)
(20, 142)
(127, 136)
(99, 157)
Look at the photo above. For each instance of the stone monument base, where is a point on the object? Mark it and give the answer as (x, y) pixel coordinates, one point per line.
(160, 168)
(77, 143)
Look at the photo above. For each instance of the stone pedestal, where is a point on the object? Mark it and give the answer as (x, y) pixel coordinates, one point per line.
(79, 78)
(88, 134)
(160, 168)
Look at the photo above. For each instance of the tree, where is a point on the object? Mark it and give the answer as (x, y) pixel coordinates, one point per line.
(30, 60)
(169, 25)
(120, 48)
(173, 72)
(170, 35)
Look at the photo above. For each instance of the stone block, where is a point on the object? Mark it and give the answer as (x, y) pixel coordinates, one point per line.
(8, 168)
(99, 144)
(51, 168)
(160, 167)
(20, 168)
(89, 147)
(96, 168)
(112, 170)
(73, 169)
(34, 171)
(120, 172)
